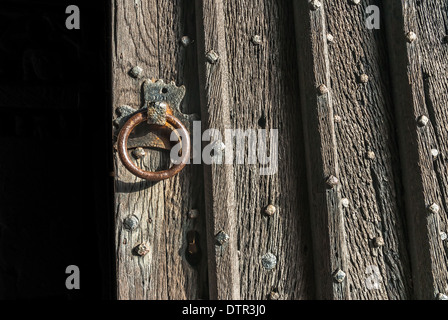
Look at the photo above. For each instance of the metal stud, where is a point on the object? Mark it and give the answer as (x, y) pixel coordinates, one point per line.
(142, 249)
(339, 276)
(434, 153)
(443, 236)
(212, 57)
(337, 119)
(322, 89)
(222, 238)
(330, 37)
(345, 202)
(332, 181)
(131, 222)
(274, 295)
(441, 296)
(355, 1)
(136, 72)
(370, 155)
(422, 121)
(193, 213)
(256, 40)
(434, 208)
(363, 78)
(185, 41)
(411, 36)
(270, 210)
(378, 242)
(269, 261)
(314, 4)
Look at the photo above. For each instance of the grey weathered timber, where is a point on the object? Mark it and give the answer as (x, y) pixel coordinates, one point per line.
(221, 215)
(368, 154)
(353, 125)
(355, 209)
(147, 34)
(419, 72)
(329, 247)
(262, 84)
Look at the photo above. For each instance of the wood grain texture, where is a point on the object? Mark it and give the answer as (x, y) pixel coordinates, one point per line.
(420, 85)
(262, 93)
(367, 154)
(327, 224)
(218, 178)
(370, 183)
(147, 34)
(347, 132)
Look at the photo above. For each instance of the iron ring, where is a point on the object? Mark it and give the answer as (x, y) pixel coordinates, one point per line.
(122, 143)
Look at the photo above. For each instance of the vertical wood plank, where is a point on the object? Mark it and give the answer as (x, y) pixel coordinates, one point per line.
(329, 249)
(218, 179)
(419, 70)
(147, 34)
(368, 154)
(354, 121)
(263, 97)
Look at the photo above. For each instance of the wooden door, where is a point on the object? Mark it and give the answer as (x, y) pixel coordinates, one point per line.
(361, 186)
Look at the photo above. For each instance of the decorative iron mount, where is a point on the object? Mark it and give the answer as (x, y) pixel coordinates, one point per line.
(161, 112)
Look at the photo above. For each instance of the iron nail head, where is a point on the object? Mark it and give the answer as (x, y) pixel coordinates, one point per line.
(411, 36)
(136, 72)
(339, 276)
(222, 238)
(332, 181)
(142, 249)
(269, 261)
(212, 57)
(315, 4)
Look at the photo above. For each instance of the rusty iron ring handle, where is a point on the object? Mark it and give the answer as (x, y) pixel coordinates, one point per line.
(122, 145)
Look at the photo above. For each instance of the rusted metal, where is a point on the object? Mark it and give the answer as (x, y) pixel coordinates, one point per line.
(142, 249)
(193, 253)
(157, 113)
(192, 243)
(157, 95)
(122, 146)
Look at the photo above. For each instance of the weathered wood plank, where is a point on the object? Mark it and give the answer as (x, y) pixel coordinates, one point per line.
(368, 154)
(329, 247)
(147, 34)
(353, 60)
(262, 86)
(218, 181)
(419, 72)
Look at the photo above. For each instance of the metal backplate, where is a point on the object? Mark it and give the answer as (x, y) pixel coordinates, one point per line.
(155, 135)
